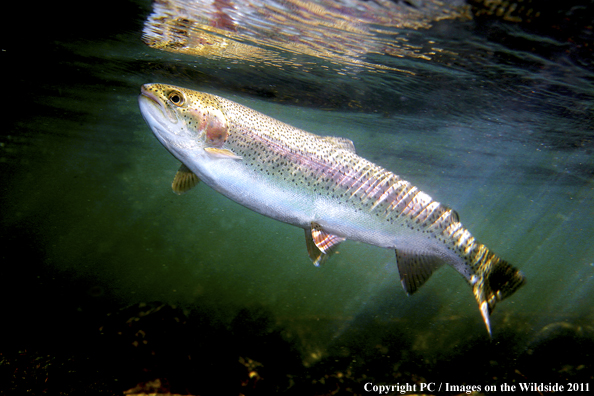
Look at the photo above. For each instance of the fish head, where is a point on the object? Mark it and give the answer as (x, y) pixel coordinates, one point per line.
(186, 122)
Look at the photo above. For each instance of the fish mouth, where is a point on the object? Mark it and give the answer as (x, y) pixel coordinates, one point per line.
(153, 111)
(163, 122)
(156, 116)
(145, 93)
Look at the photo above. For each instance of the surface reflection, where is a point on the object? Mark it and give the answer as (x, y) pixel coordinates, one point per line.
(339, 32)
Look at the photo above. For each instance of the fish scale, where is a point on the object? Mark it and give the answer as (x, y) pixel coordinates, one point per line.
(320, 184)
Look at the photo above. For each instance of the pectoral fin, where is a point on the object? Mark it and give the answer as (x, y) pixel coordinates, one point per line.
(184, 180)
(415, 269)
(320, 244)
(221, 153)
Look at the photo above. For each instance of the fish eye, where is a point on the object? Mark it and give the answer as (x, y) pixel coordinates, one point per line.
(176, 98)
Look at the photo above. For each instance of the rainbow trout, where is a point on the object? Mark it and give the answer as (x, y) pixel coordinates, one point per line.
(321, 185)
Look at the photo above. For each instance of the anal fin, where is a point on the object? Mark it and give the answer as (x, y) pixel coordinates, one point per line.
(184, 180)
(415, 268)
(320, 244)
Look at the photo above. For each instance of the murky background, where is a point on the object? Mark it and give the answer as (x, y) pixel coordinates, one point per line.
(486, 106)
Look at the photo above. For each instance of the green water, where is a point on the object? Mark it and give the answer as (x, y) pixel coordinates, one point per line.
(90, 224)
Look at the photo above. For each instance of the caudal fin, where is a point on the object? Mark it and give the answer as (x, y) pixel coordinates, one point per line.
(494, 280)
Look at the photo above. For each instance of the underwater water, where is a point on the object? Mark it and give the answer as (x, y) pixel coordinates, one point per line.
(111, 282)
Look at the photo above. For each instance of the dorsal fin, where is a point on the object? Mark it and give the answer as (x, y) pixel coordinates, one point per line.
(341, 143)
(454, 216)
(320, 244)
(184, 180)
(415, 269)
